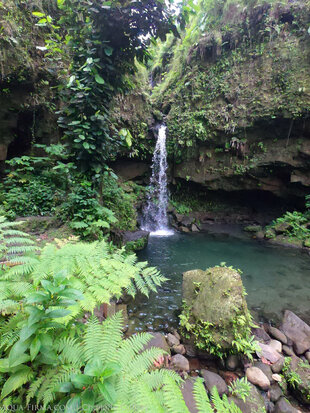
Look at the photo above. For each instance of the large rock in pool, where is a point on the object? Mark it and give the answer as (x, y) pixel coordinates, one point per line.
(215, 312)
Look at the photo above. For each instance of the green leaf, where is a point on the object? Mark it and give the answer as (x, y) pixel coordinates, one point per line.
(35, 314)
(129, 139)
(85, 145)
(18, 350)
(60, 3)
(35, 348)
(17, 380)
(58, 313)
(99, 79)
(73, 405)
(108, 50)
(27, 332)
(72, 294)
(110, 369)
(94, 368)
(108, 391)
(38, 297)
(81, 380)
(66, 387)
(38, 14)
(88, 400)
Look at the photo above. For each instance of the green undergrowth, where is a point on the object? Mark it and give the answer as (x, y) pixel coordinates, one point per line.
(49, 185)
(50, 359)
(294, 225)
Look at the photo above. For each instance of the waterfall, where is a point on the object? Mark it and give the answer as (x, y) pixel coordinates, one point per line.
(155, 217)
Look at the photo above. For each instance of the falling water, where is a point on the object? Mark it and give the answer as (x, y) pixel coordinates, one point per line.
(155, 211)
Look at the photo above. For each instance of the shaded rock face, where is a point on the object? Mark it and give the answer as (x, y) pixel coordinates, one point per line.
(297, 330)
(214, 302)
(214, 380)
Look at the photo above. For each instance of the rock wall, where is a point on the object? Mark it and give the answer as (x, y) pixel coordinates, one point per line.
(237, 101)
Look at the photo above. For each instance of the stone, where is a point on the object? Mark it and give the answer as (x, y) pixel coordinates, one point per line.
(277, 334)
(190, 350)
(278, 365)
(215, 296)
(187, 221)
(253, 404)
(297, 330)
(179, 362)
(265, 368)
(135, 240)
(176, 334)
(158, 340)
(232, 362)
(179, 349)
(307, 355)
(277, 345)
(184, 229)
(214, 380)
(258, 378)
(261, 335)
(172, 340)
(284, 406)
(275, 392)
(187, 392)
(288, 350)
(282, 228)
(268, 352)
(277, 378)
(194, 228)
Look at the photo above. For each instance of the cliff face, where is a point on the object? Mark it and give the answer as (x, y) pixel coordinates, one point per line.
(26, 77)
(236, 98)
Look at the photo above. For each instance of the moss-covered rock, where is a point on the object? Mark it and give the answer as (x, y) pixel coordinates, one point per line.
(215, 313)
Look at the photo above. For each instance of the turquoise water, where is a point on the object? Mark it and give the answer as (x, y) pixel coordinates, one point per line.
(275, 278)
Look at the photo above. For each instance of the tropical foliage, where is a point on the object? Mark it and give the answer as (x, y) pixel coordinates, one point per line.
(50, 359)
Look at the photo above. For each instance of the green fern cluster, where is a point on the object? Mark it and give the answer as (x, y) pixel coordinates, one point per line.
(92, 268)
(103, 372)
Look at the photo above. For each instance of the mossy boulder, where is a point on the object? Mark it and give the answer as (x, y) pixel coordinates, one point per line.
(215, 313)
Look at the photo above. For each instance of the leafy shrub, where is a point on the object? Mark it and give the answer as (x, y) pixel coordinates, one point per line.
(296, 224)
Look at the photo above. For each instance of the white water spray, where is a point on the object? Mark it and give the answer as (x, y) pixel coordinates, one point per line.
(155, 213)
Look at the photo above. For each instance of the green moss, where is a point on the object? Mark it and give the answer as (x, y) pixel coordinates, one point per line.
(215, 315)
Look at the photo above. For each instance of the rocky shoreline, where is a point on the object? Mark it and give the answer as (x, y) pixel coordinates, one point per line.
(279, 374)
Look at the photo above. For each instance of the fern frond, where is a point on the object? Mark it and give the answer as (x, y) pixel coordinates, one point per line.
(201, 397)
(173, 397)
(71, 351)
(112, 337)
(16, 380)
(93, 339)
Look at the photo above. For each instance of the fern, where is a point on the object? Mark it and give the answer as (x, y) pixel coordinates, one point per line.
(13, 242)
